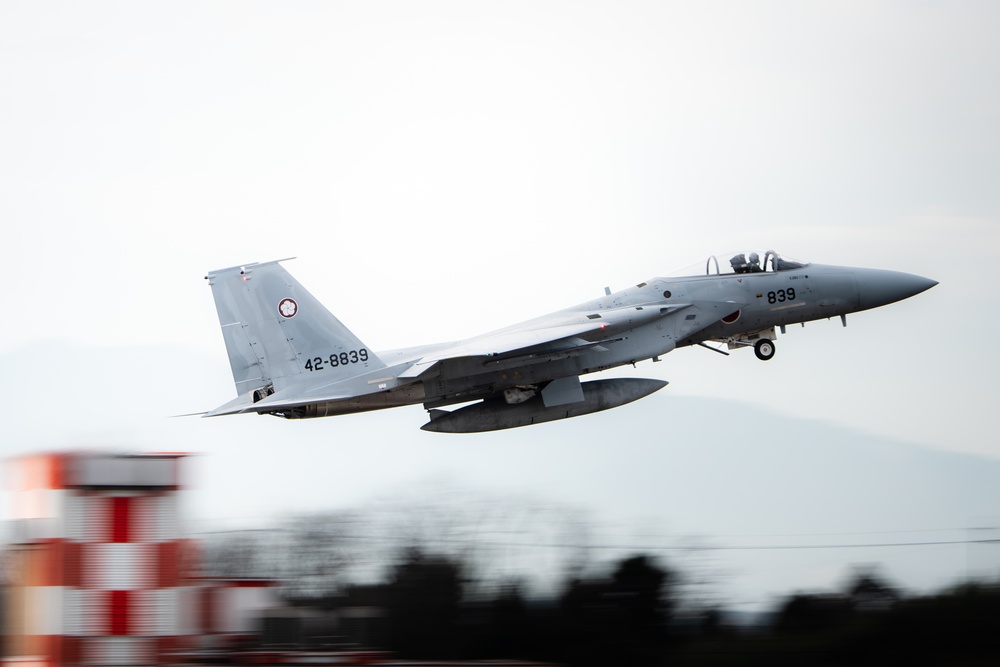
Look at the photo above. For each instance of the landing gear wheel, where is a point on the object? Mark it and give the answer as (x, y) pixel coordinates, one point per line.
(764, 349)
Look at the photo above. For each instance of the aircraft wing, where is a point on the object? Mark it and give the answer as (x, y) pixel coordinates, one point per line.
(540, 341)
(494, 345)
(533, 342)
(539, 344)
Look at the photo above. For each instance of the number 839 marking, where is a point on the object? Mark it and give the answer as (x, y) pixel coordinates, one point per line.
(781, 295)
(335, 360)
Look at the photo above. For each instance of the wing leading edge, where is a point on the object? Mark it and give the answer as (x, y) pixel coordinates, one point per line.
(541, 342)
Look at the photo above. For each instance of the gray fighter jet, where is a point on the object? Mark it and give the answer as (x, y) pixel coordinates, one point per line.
(291, 357)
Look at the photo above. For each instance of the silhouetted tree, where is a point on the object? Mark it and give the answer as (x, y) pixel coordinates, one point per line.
(960, 626)
(804, 614)
(422, 599)
(510, 629)
(622, 621)
(870, 593)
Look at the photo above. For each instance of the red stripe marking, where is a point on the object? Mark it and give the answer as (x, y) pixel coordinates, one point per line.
(247, 583)
(168, 565)
(71, 651)
(120, 511)
(73, 569)
(119, 615)
(207, 610)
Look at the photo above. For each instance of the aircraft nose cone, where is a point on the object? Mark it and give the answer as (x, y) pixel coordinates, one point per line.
(877, 288)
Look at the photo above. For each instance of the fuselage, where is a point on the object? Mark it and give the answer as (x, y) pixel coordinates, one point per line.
(291, 357)
(639, 323)
(713, 307)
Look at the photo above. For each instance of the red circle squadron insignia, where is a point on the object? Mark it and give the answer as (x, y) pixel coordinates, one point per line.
(288, 308)
(732, 317)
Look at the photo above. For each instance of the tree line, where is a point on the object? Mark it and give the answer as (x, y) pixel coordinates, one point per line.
(444, 604)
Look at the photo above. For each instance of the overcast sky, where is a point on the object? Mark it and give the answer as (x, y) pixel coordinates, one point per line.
(442, 169)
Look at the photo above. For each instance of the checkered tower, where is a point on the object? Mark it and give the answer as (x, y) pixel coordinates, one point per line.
(99, 573)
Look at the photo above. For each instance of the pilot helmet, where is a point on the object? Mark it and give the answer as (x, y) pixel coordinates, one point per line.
(754, 258)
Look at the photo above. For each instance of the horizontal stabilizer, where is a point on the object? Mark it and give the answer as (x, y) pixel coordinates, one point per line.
(233, 407)
(289, 399)
(273, 403)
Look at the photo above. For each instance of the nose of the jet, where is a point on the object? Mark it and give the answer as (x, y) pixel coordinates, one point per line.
(877, 287)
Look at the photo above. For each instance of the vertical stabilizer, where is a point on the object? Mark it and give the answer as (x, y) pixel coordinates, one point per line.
(276, 331)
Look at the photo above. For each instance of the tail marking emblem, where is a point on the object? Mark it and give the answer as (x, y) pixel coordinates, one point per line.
(287, 308)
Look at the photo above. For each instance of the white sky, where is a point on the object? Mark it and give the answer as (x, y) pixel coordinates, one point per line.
(442, 169)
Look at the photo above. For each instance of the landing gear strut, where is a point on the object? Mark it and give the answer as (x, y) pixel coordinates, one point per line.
(764, 349)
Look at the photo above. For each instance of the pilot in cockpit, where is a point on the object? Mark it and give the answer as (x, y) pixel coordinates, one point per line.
(739, 263)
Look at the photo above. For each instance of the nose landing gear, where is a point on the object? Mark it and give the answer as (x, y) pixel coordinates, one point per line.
(762, 342)
(764, 349)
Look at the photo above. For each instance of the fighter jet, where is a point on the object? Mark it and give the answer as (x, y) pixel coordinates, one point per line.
(291, 357)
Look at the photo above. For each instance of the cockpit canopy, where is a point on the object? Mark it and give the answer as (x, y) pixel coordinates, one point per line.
(750, 262)
(742, 261)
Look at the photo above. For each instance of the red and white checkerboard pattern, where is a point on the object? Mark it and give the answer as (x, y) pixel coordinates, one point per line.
(102, 573)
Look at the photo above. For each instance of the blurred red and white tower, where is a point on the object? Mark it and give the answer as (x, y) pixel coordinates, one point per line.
(99, 573)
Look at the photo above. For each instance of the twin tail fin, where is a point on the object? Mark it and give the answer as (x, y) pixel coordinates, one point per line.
(276, 332)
